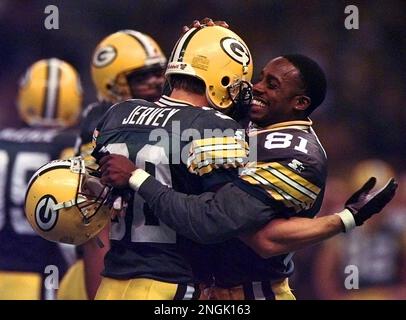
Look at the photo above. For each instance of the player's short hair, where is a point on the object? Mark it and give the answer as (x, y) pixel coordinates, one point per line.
(313, 78)
(188, 83)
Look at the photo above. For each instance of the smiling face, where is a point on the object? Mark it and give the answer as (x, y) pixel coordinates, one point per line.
(279, 95)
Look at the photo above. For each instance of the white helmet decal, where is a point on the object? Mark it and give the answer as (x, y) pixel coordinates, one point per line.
(104, 56)
(236, 50)
(45, 216)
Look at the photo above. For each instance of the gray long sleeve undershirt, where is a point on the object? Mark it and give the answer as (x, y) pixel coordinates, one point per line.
(209, 217)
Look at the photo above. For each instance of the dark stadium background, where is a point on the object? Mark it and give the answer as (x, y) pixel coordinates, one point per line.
(363, 116)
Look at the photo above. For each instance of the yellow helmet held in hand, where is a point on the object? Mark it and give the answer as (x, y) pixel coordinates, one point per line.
(64, 203)
(218, 57)
(117, 56)
(50, 94)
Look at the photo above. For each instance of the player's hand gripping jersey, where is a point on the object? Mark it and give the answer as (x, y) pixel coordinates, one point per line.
(187, 148)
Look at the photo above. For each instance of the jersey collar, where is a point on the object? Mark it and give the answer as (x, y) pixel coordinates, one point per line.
(297, 124)
(166, 101)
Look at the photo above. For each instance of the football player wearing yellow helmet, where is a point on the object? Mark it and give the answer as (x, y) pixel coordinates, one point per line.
(49, 100)
(121, 64)
(209, 70)
(126, 64)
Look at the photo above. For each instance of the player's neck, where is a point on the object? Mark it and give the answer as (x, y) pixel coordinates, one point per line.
(192, 98)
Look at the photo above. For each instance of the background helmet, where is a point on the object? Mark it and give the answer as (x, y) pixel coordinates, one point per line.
(64, 203)
(367, 168)
(218, 57)
(50, 94)
(117, 56)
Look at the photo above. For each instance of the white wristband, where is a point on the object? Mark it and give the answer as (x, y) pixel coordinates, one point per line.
(348, 219)
(137, 178)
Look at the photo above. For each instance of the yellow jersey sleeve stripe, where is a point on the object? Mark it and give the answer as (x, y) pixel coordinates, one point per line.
(295, 177)
(272, 180)
(219, 156)
(216, 152)
(278, 176)
(235, 163)
(283, 181)
(218, 141)
(277, 193)
(297, 198)
(207, 165)
(207, 145)
(219, 153)
(225, 147)
(203, 170)
(273, 193)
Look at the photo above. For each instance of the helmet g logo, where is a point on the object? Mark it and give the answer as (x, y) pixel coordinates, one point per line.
(104, 56)
(45, 217)
(236, 50)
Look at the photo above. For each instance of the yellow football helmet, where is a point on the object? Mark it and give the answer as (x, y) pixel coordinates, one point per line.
(65, 203)
(50, 94)
(117, 56)
(219, 58)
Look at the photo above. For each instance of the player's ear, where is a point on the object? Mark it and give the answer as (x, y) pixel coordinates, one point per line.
(302, 102)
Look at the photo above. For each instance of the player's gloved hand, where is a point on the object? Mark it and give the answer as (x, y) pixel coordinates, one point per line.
(208, 22)
(363, 204)
(116, 170)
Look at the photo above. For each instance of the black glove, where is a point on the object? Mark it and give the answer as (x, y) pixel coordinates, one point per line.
(363, 204)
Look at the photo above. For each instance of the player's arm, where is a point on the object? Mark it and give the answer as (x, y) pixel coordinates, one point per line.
(286, 235)
(93, 258)
(93, 250)
(206, 218)
(213, 157)
(213, 217)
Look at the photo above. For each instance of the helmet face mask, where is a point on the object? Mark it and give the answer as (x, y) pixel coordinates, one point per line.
(240, 92)
(146, 83)
(241, 95)
(219, 58)
(119, 55)
(65, 202)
